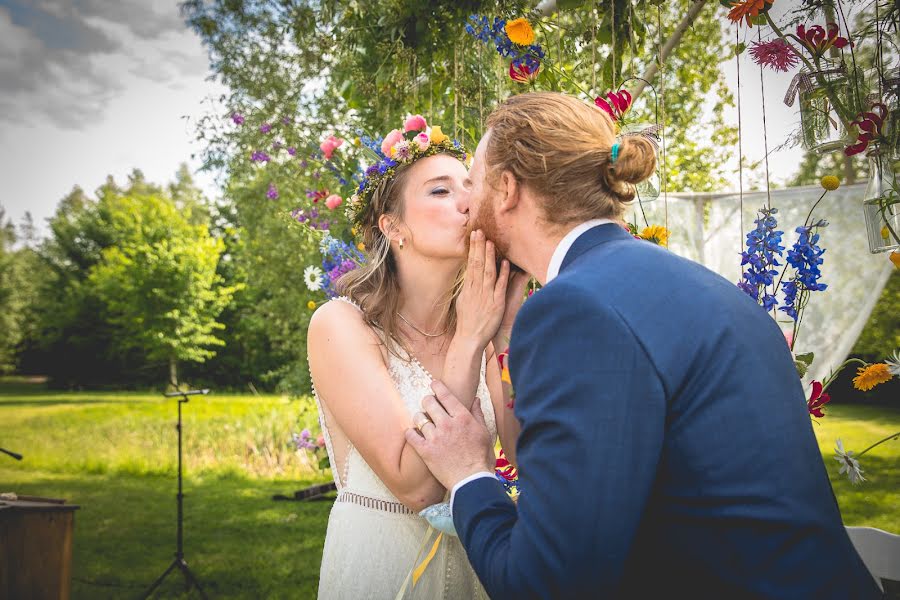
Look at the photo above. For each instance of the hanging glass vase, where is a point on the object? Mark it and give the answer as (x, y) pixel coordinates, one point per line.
(892, 121)
(648, 190)
(882, 204)
(821, 126)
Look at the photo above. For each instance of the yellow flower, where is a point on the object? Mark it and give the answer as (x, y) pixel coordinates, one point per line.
(885, 233)
(438, 136)
(656, 234)
(357, 142)
(830, 182)
(353, 230)
(520, 32)
(870, 376)
(895, 258)
(504, 375)
(311, 305)
(361, 247)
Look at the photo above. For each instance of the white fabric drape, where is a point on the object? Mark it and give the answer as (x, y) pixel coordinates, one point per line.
(707, 228)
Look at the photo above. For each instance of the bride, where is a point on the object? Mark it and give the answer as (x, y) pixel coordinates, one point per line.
(406, 318)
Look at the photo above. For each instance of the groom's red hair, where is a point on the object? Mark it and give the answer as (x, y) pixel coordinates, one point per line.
(560, 147)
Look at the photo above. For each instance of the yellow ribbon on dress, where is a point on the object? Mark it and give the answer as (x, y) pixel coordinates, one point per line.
(416, 573)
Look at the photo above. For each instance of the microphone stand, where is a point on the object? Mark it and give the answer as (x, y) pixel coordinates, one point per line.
(179, 562)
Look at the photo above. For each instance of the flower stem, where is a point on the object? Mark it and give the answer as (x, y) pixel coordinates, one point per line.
(893, 436)
(830, 379)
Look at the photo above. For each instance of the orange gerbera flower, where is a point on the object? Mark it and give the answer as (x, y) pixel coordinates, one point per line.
(870, 376)
(520, 32)
(747, 9)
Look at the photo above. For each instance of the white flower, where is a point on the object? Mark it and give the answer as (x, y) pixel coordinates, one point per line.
(313, 277)
(894, 363)
(849, 464)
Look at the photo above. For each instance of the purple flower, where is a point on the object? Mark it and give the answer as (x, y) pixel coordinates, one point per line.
(303, 163)
(272, 192)
(238, 118)
(776, 54)
(276, 144)
(372, 171)
(259, 156)
(265, 128)
(292, 151)
(316, 175)
(286, 120)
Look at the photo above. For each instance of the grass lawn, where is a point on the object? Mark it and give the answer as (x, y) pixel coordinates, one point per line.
(114, 455)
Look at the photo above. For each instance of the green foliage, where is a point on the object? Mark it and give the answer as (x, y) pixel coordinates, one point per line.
(159, 282)
(881, 335)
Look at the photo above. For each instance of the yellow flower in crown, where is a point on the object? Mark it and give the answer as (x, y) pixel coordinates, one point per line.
(438, 136)
(656, 234)
(520, 32)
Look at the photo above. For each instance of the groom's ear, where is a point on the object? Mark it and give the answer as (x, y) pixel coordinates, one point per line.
(511, 190)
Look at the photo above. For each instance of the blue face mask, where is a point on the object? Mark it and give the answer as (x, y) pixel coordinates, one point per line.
(438, 516)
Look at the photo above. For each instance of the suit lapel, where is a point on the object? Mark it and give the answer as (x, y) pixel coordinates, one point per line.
(593, 237)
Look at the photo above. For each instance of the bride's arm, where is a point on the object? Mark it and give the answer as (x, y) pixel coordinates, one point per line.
(350, 375)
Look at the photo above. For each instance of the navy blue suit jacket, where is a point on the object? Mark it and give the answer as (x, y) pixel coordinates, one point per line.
(665, 448)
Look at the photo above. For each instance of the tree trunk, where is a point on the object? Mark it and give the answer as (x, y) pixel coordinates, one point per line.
(173, 372)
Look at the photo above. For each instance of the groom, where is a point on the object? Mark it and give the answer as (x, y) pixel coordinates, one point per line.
(665, 447)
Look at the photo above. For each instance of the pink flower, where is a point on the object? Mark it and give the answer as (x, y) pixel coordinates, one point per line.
(788, 337)
(423, 141)
(817, 400)
(330, 144)
(415, 123)
(870, 128)
(616, 104)
(389, 140)
(333, 201)
(776, 54)
(817, 40)
(320, 441)
(522, 73)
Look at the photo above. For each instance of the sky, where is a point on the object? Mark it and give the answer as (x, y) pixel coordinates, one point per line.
(90, 88)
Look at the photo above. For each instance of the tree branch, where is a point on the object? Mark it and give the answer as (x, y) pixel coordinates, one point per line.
(667, 48)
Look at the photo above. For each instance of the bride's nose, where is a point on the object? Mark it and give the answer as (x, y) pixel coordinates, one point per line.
(462, 201)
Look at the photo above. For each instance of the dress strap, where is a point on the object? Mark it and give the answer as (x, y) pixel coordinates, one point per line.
(348, 301)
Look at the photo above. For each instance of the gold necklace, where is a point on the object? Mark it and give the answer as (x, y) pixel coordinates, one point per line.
(431, 335)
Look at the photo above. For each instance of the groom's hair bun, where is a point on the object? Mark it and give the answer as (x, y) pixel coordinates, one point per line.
(561, 149)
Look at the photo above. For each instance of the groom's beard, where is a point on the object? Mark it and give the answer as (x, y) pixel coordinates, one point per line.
(486, 221)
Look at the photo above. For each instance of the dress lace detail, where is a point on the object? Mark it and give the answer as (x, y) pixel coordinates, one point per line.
(369, 551)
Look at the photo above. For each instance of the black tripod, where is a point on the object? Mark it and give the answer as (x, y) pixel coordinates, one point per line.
(189, 578)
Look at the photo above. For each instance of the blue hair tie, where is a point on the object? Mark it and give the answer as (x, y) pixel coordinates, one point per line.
(614, 153)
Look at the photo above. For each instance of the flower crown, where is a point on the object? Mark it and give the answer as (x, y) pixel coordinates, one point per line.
(416, 141)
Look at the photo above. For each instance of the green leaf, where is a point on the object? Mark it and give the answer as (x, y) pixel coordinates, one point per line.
(739, 48)
(805, 358)
(801, 368)
(568, 4)
(324, 463)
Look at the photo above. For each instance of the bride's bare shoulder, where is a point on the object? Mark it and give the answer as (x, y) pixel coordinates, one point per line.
(339, 321)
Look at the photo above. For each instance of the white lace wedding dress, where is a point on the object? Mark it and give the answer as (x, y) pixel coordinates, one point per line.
(373, 540)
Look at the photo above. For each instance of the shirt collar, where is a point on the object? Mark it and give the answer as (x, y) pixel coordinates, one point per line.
(566, 243)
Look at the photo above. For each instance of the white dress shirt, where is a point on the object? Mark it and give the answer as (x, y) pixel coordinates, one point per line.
(556, 261)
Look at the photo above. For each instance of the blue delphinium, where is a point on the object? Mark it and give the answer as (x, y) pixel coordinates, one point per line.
(763, 250)
(338, 257)
(495, 33)
(805, 256)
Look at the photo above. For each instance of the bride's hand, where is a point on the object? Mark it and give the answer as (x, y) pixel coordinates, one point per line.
(482, 300)
(515, 297)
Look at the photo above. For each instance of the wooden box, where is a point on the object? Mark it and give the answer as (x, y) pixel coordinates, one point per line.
(36, 548)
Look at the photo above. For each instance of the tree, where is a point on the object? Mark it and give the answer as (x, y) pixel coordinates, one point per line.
(159, 283)
(9, 333)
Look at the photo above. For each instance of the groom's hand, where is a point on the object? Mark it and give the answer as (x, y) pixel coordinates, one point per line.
(452, 442)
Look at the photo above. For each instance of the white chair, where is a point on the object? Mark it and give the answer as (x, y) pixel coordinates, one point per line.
(879, 550)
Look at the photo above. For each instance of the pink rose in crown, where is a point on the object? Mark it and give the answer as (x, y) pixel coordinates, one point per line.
(415, 123)
(333, 201)
(423, 141)
(330, 144)
(389, 140)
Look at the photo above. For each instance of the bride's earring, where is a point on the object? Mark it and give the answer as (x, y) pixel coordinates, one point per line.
(401, 243)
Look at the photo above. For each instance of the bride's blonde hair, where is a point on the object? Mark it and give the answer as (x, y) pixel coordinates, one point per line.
(561, 148)
(375, 285)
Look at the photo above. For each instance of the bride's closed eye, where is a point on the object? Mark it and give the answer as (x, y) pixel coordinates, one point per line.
(439, 191)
